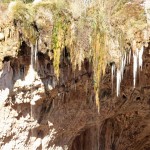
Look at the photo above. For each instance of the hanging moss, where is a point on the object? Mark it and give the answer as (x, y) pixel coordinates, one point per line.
(58, 39)
(24, 14)
(99, 61)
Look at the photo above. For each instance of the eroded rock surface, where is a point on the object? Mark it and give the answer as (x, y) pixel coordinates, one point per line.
(41, 111)
(65, 116)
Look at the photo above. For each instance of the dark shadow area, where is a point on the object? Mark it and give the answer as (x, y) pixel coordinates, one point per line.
(102, 137)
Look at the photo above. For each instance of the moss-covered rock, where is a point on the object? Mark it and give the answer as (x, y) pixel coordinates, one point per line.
(102, 31)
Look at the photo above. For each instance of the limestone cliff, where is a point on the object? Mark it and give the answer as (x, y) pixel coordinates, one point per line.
(75, 76)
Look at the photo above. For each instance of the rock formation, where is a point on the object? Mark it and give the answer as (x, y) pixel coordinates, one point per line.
(67, 77)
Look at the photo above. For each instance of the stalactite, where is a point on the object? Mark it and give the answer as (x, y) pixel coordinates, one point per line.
(135, 62)
(120, 73)
(122, 67)
(140, 57)
(129, 57)
(112, 75)
(118, 77)
(36, 51)
(31, 72)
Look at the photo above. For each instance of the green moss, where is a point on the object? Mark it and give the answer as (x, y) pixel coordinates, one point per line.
(58, 39)
(23, 14)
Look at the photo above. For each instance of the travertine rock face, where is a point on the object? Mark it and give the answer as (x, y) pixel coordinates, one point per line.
(40, 112)
(47, 114)
(126, 124)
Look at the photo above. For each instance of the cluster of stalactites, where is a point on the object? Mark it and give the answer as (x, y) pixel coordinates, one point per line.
(137, 54)
(141, 39)
(138, 50)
